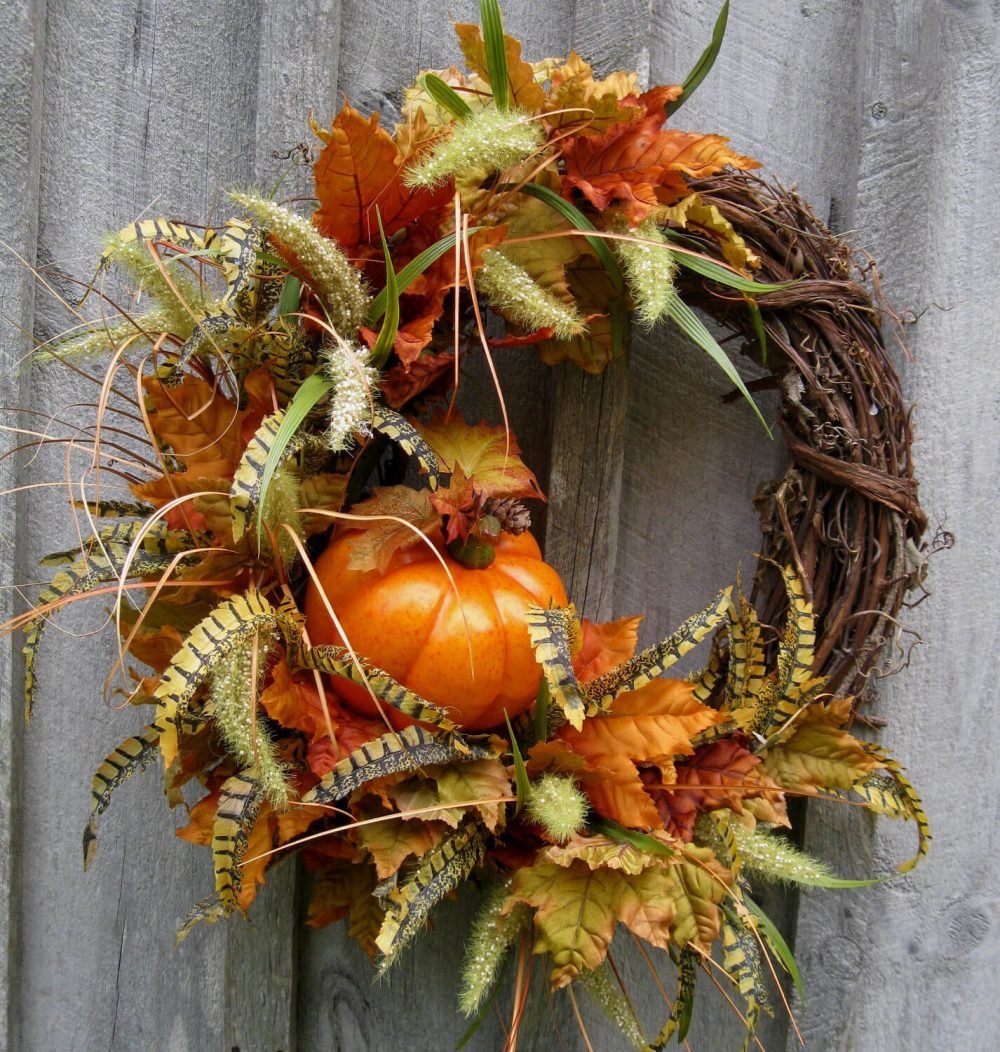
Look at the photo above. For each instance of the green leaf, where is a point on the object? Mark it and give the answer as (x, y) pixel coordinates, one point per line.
(708, 268)
(758, 328)
(542, 712)
(776, 941)
(409, 274)
(314, 388)
(446, 96)
(641, 841)
(496, 51)
(387, 336)
(694, 329)
(581, 222)
(704, 64)
(291, 294)
(521, 780)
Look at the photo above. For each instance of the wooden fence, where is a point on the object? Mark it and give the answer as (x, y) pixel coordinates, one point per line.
(884, 113)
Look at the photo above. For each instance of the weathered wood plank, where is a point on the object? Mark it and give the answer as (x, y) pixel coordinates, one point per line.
(20, 134)
(912, 964)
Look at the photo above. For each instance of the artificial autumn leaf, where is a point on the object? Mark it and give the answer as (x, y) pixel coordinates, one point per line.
(593, 293)
(156, 648)
(195, 515)
(383, 537)
(605, 646)
(459, 505)
(288, 701)
(817, 755)
(691, 213)
(525, 92)
(483, 781)
(657, 720)
(359, 168)
(596, 104)
(405, 381)
(701, 884)
(296, 820)
(347, 890)
(722, 774)
(642, 164)
(200, 427)
(391, 843)
(261, 839)
(576, 909)
(487, 455)
(601, 852)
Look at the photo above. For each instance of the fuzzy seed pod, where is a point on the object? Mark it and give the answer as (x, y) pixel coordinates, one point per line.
(491, 937)
(612, 1002)
(650, 272)
(515, 294)
(330, 275)
(558, 806)
(486, 142)
(775, 858)
(353, 381)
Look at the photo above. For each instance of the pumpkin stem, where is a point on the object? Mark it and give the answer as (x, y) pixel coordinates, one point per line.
(474, 553)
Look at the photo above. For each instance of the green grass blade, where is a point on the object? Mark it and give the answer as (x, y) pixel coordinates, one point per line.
(641, 841)
(542, 711)
(291, 295)
(708, 268)
(521, 780)
(313, 389)
(446, 96)
(692, 327)
(496, 51)
(704, 64)
(757, 319)
(387, 336)
(573, 215)
(776, 941)
(409, 274)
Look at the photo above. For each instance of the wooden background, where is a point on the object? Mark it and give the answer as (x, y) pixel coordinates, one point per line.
(883, 112)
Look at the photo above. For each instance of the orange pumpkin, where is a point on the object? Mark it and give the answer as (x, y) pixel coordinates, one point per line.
(468, 652)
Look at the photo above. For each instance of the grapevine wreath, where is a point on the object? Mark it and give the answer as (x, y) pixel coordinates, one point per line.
(329, 601)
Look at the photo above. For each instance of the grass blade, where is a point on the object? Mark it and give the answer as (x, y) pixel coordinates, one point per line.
(704, 64)
(291, 295)
(641, 841)
(708, 268)
(313, 389)
(521, 780)
(496, 51)
(776, 941)
(692, 327)
(387, 336)
(446, 96)
(573, 215)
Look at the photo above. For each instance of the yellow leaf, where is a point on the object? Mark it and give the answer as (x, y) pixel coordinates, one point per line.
(601, 852)
(597, 102)
(701, 884)
(481, 781)
(691, 213)
(525, 93)
(817, 755)
(482, 452)
(392, 843)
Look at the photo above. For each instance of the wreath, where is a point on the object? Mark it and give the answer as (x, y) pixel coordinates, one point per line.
(324, 583)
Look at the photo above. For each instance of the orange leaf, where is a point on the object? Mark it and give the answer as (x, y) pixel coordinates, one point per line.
(198, 425)
(403, 382)
(605, 646)
(359, 168)
(655, 721)
(643, 164)
(525, 92)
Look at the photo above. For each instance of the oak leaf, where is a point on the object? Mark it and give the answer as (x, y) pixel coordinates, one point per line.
(642, 164)
(525, 92)
(359, 168)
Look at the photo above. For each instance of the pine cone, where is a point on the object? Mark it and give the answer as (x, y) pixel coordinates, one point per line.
(513, 516)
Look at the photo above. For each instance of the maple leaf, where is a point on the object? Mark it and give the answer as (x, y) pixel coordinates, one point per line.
(459, 504)
(525, 92)
(592, 291)
(361, 167)
(324, 490)
(818, 755)
(722, 774)
(483, 454)
(701, 884)
(576, 909)
(200, 427)
(382, 538)
(601, 852)
(605, 646)
(481, 780)
(347, 890)
(598, 103)
(642, 164)
(391, 843)
(407, 380)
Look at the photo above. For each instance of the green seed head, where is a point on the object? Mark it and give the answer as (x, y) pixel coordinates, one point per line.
(558, 806)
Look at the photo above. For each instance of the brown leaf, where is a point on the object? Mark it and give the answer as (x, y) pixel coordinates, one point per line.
(403, 382)
(383, 537)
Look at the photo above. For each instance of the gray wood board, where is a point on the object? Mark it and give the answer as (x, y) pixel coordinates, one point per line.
(132, 115)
